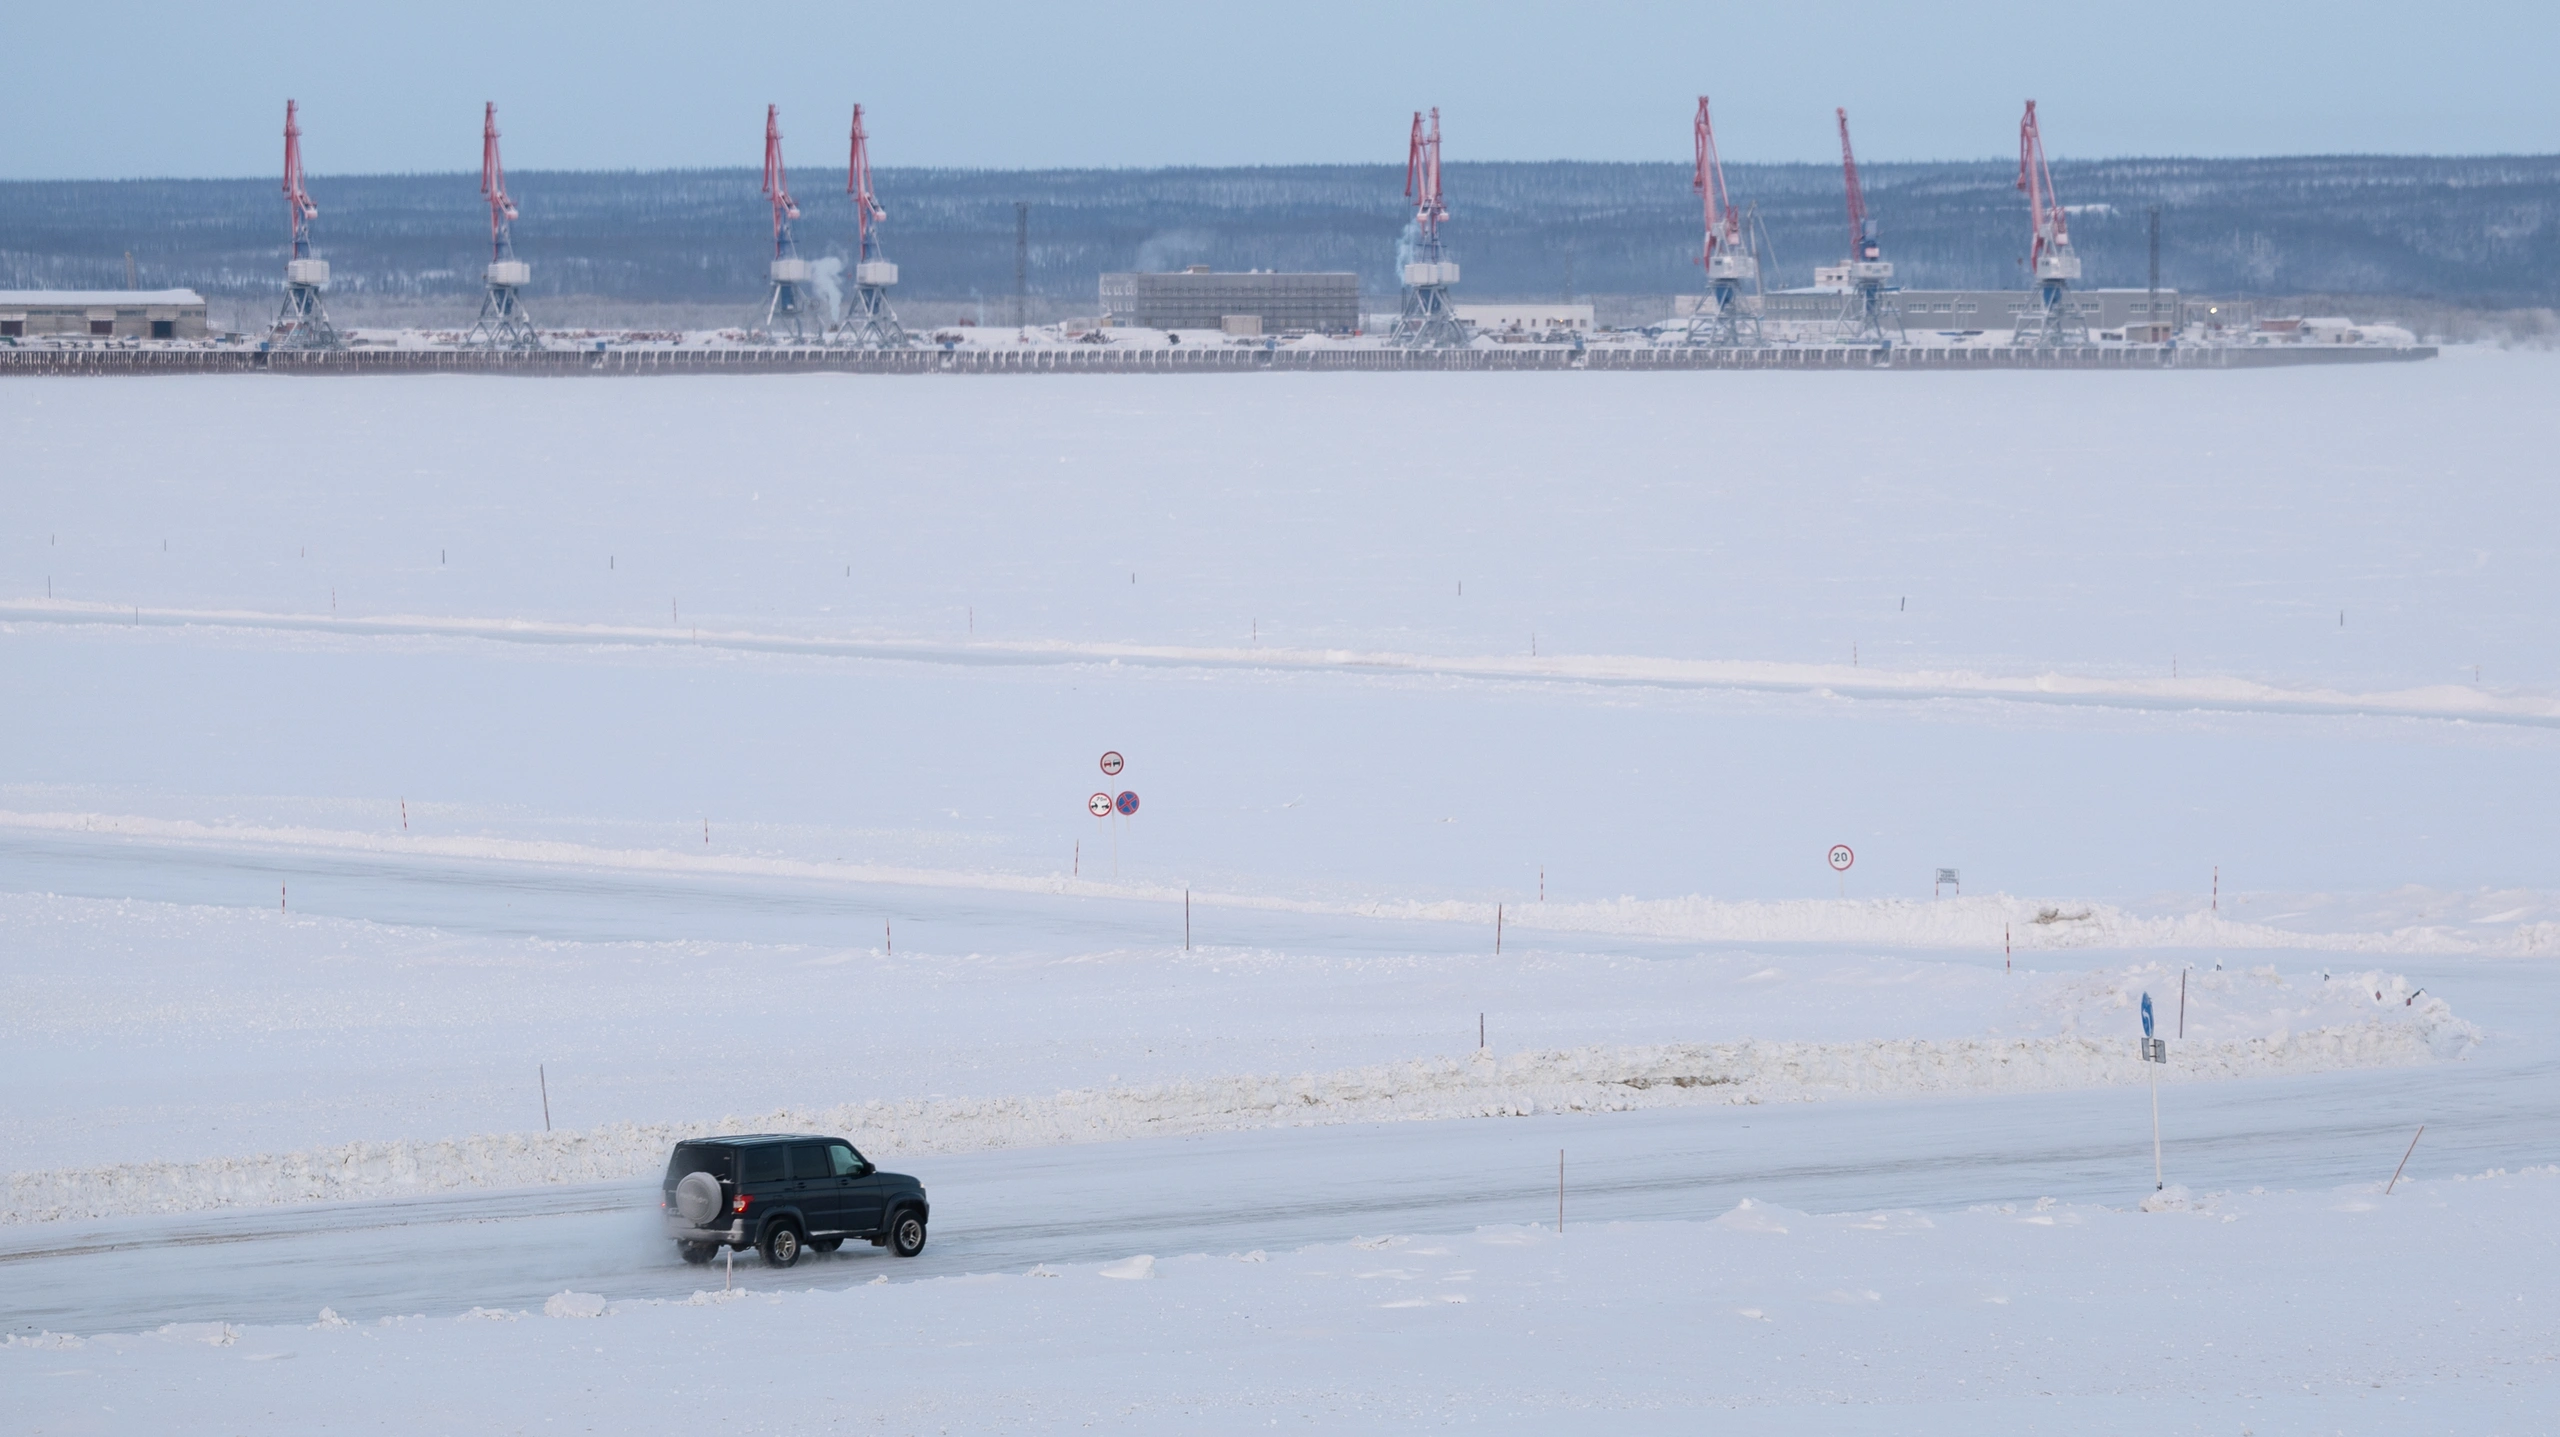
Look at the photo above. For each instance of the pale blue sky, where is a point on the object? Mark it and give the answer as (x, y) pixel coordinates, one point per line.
(152, 87)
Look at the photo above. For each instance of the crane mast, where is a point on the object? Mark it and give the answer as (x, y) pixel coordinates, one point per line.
(502, 324)
(493, 188)
(1426, 320)
(2054, 319)
(1869, 316)
(1727, 318)
(303, 322)
(786, 305)
(868, 321)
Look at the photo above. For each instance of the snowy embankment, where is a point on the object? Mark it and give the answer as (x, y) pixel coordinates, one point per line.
(1593, 1079)
(1979, 922)
(2200, 693)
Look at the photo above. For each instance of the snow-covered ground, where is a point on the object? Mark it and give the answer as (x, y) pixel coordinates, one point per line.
(2419, 1312)
(715, 751)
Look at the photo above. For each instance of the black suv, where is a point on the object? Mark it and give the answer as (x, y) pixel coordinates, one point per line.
(781, 1192)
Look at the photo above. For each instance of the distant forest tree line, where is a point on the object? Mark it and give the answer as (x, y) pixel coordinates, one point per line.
(2479, 231)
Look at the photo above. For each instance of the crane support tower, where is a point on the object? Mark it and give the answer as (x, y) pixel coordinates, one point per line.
(2053, 320)
(303, 323)
(1427, 321)
(1729, 318)
(503, 323)
(786, 305)
(1869, 316)
(868, 322)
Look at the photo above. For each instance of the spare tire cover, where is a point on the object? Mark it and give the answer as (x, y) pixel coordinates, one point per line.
(698, 1198)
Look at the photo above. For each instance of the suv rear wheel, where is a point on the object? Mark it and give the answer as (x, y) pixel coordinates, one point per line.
(906, 1233)
(781, 1245)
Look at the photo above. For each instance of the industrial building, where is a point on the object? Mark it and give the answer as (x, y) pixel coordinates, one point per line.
(1930, 310)
(1197, 298)
(102, 313)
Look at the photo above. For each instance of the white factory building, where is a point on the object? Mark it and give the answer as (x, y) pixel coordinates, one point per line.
(102, 313)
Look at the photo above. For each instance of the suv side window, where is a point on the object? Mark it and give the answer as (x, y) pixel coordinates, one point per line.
(847, 1161)
(763, 1164)
(810, 1160)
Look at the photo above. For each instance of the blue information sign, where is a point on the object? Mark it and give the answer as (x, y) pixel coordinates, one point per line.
(2146, 998)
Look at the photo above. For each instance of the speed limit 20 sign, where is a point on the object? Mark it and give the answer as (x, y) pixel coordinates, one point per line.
(1841, 858)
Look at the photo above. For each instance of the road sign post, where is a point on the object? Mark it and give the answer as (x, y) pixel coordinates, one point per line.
(2155, 1055)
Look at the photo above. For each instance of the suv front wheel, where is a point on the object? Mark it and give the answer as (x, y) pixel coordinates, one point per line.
(906, 1234)
(781, 1245)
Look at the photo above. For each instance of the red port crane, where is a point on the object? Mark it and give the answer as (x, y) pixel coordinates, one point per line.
(868, 320)
(303, 322)
(1426, 320)
(503, 323)
(2050, 258)
(1728, 259)
(785, 304)
(1869, 317)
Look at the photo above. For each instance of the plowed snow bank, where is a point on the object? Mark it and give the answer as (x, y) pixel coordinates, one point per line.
(1594, 1079)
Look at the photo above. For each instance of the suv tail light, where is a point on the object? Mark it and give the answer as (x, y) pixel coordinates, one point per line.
(738, 1203)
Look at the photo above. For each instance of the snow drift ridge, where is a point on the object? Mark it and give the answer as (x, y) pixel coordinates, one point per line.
(1595, 1079)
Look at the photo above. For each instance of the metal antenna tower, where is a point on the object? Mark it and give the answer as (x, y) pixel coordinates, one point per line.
(1729, 319)
(787, 305)
(1427, 322)
(1870, 316)
(2054, 320)
(868, 321)
(303, 323)
(503, 323)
